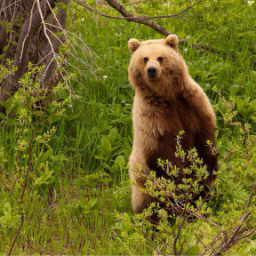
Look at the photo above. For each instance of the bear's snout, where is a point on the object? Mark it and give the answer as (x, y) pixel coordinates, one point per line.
(152, 72)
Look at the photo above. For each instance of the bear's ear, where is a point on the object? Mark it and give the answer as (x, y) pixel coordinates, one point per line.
(133, 45)
(173, 41)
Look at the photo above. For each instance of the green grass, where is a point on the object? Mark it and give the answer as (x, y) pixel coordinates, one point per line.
(58, 221)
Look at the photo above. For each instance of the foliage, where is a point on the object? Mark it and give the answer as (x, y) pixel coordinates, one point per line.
(28, 154)
(178, 225)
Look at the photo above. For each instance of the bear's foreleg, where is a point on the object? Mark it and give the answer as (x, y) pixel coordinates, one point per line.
(140, 200)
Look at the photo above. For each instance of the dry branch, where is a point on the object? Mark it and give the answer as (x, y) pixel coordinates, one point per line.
(50, 62)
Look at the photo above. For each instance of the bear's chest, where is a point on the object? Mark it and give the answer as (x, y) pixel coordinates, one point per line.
(160, 119)
(157, 124)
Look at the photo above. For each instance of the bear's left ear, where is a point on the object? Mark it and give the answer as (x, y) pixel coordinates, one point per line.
(133, 45)
(173, 41)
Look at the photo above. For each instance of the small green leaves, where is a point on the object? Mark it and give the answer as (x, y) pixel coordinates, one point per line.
(9, 217)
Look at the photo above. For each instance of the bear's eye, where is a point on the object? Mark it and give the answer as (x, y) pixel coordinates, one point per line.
(160, 59)
(145, 60)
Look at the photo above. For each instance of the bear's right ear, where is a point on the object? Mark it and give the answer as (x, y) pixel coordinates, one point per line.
(133, 45)
(173, 41)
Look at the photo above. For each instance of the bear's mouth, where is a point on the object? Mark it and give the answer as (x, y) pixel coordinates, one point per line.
(153, 77)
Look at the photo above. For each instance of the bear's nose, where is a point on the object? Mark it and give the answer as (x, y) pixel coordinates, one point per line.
(152, 72)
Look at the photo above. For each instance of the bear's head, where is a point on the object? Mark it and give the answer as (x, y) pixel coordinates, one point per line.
(156, 67)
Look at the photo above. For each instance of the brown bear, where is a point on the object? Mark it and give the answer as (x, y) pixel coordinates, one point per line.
(167, 100)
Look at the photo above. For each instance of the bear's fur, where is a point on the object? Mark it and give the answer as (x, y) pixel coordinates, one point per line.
(167, 100)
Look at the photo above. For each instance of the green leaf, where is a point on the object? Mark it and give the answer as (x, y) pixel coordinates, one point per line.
(113, 134)
(126, 217)
(92, 204)
(221, 107)
(253, 73)
(47, 154)
(2, 115)
(106, 146)
(54, 119)
(120, 161)
(71, 115)
(194, 250)
(44, 179)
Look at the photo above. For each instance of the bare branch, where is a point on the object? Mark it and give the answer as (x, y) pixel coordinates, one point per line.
(48, 74)
(143, 1)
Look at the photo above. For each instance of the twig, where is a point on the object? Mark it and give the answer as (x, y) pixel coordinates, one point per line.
(178, 232)
(8, 189)
(28, 31)
(38, 250)
(143, 1)
(121, 242)
(8, 6)
(16, 235)
(44, 26)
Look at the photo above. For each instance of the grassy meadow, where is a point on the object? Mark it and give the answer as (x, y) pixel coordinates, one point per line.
(78, 188)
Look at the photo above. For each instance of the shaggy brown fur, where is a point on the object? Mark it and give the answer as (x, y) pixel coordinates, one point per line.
(167, 100)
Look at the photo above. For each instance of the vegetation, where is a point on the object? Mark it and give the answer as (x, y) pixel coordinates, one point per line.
(63, 155)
